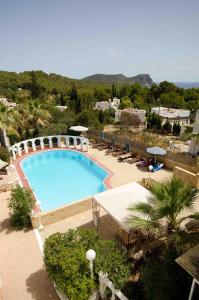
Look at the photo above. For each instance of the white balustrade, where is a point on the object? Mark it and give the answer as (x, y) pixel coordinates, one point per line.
(104, 283)
(77, 142)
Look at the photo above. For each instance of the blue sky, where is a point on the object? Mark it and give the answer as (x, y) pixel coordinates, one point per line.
(77, 38)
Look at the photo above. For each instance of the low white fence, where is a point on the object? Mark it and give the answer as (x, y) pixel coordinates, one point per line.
(105, 283)
(61, 141)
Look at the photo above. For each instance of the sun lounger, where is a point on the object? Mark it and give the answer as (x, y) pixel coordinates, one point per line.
(134, 159)
(115, 151)
(143, 163)
(119, 153)
(124, 157)
(98, 145)
(104, 147)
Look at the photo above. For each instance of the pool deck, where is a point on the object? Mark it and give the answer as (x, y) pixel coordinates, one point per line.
(22, 276)
(21, 265)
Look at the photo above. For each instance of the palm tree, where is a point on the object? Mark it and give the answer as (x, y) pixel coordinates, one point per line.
(7, 119)
(170, 206)
(39, 116)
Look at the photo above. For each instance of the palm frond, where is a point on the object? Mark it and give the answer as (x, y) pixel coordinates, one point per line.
(145, 225)
(194, 216)
(143, 208)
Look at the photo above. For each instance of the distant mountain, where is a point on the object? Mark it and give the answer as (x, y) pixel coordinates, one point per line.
(143, 79)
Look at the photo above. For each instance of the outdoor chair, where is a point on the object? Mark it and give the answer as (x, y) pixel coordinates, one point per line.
(133, 159)
(116, 151)
(125, 157)
(104, 147)
(119, 153)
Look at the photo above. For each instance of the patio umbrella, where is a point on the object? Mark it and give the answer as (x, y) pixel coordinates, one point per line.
(79, 128)
(156, 151)
(3, 164)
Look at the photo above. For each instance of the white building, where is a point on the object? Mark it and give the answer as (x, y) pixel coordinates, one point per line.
(102, 105)
(111, 103)
(115, 102)
(134, 111)
(5, 102)
(172, 115)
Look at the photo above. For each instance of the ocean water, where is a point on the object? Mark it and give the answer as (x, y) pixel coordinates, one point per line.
(60, 177)
(187, 85)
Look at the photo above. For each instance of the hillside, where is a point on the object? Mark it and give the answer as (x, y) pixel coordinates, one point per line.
(143, 79)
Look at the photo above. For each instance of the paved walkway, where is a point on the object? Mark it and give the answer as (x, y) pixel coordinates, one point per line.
(21, 266)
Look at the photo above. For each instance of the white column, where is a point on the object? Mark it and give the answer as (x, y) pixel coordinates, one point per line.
(50, 143)
(59, 141)
(67, 141)
(34, 146)
(86, 145)
(75, 143)
(42, 144)
(26, 148)
(19, 150)
(13, 154)
(82, 144)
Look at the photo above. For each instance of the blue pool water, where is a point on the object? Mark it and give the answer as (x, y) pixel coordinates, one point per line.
(60, 177)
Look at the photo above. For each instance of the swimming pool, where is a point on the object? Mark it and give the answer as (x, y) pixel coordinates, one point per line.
(60, 177)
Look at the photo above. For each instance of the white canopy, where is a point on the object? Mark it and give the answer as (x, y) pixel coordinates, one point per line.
(117, 201)
(79, 128)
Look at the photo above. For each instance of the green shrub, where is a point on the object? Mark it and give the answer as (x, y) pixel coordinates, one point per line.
(112, 261)
(66, 263)
(20, 204)
(4, 154)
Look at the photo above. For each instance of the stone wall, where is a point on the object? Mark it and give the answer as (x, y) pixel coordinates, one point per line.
(61, 213)
(187, 176)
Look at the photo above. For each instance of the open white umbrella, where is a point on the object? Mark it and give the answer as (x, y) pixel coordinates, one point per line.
(156, 151)
(79, 128)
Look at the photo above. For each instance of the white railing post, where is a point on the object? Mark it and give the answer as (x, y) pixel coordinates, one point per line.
(75, 143)
(34, 146)
(82, 144)
(59, 141)
(13, 154)
(50, 143)
(19, 150)
(26, 148)
(16, 148)
(42, 144)
(67, 141)
(105, 282)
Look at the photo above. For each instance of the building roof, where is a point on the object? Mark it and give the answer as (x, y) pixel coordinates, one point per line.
(189, 261)
(117, 201)
(171, 112)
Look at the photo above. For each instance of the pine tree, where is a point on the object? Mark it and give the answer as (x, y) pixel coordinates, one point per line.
(74, 100)
(166, 128)
(114, 91)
